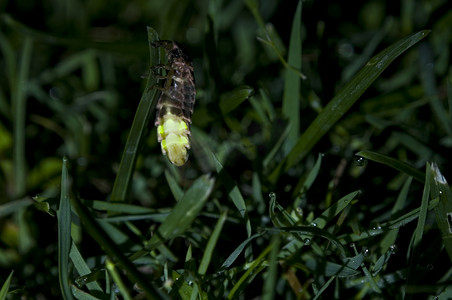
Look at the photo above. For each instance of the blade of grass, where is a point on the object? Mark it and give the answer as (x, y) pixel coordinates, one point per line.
(5, 286)
(206, 258)
(175, 188)
(268, 292)
(82, 268)
(419, 231)
(255, 264)
(393, 163)
(231, 100)
(269, 39)
(184, 213)
(291, 94)
(231, 258)
(117, 279)
(323, 288)
(112, 250)
(138, 129)
(64, 232)
(443, 211)
(19, 100)
(236, 197)
(342, 102)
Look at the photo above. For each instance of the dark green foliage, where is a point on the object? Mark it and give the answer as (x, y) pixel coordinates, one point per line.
(319, 160)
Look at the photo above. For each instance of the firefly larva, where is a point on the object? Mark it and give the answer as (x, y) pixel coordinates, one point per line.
(175, 105)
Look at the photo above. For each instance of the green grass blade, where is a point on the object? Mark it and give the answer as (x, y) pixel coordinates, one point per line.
(233, 193)
(82, 295)
(323, 288)
(184, 213)
(248, 274)
(14, 206)
(5, 286)
(208, 252)
(443, 211)
(393, 163)
(334, 210)
(231, 258)
(19, 91)
(423, 209)
(342, 102)
(231, 100)
(291, 95)
(64, 232)
(98, 234)
(123, 289)
(268, 292)
(175, 188)
(138, 129)
(82, 268)
(389, 239)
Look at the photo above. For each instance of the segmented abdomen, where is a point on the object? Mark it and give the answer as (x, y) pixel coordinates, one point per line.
(175, 105)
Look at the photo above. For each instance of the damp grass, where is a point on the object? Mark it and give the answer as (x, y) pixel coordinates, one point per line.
(300, 184)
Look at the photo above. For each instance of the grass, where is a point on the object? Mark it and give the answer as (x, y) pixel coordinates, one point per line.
(318, 165)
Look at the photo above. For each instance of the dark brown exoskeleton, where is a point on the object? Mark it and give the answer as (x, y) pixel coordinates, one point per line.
(175, 105)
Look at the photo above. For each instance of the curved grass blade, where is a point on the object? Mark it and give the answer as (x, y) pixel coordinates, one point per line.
(64, 232)
(112, 250)
(184, 213)
(393, 163)
(256, 266)
(83, 269)
(211, 245)
(342, 102)
(5, 286)
(233, 192)
(443, 211)
(291, 95)
(268, 292)
(231, 100)
(138, 129)
(313, 231)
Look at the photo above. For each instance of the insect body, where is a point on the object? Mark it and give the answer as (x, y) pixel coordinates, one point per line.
(175, 105)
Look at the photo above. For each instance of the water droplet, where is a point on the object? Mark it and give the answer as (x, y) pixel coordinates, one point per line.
(190, 283)
(346, 200)
(429, 267)
(393, 249)
(272, 196)
(352, 245)
(313, 224)
(307, 242)
(366, 252)
(359, 161)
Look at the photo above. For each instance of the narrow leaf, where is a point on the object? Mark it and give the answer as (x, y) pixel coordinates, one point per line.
(64, 232)
(138, 129)
(393, 163)
(344, 100)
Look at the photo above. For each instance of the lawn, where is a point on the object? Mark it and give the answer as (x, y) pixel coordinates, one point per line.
(319, 152)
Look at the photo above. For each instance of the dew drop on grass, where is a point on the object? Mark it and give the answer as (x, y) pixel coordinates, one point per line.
(314, 224)
(359, 161)
(429, 267)
(307, 242)
(366, 252)
(272, 196)
(352, 245)
(393, 248)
